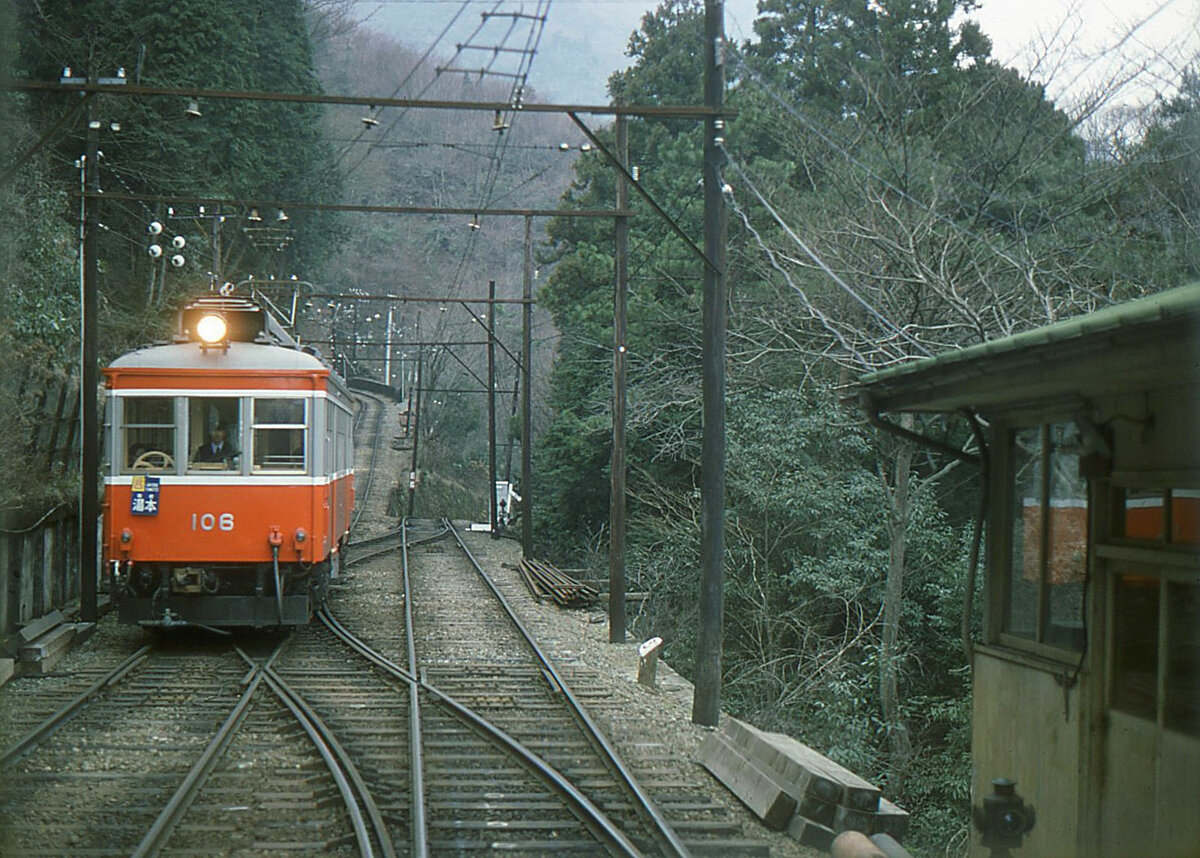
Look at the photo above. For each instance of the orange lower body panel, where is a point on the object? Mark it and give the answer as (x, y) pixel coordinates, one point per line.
(227, 523)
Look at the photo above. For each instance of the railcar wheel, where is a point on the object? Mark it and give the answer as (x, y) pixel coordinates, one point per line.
(146, 461)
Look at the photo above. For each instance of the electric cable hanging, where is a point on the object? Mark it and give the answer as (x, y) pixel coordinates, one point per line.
(819, 262)
(749, 73)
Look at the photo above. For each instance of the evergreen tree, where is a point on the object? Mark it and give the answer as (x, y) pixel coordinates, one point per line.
(236, 149)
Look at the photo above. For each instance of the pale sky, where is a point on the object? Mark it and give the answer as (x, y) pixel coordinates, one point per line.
(1074, 45)
(1070, 45)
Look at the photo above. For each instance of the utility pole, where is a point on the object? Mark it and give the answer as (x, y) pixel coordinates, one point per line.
(616, 546)
(387, 351)
(89, 372)
(415, 397)
(89, 464)
(493, 512)
(527, 396)
(215, 284)
(706, 702)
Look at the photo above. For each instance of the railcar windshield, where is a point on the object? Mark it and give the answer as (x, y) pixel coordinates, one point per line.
(148, 434)
(214, 433)
(279, 435)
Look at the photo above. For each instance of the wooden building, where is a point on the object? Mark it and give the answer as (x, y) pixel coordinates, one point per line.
(1087, 676)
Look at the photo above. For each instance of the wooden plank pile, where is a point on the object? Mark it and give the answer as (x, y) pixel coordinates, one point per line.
(42, 643)
(789, 785)
(546, 582)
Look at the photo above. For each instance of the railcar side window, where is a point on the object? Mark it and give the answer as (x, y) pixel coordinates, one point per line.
(279, 432)
(331, 410)
(1161, 516)
(342, 442)
(213, 432)
(1049, 529)
(148, 433)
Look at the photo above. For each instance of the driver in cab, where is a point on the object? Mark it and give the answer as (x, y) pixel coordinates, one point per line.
(217, 450)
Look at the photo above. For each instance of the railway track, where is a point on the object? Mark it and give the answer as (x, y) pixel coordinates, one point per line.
(368, 434)
(564, 710)
(511, 760)
(183, 750)
(494, 666)
(478, 787)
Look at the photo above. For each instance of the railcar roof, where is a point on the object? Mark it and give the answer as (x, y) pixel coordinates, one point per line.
(240, 356)
(1153, 341)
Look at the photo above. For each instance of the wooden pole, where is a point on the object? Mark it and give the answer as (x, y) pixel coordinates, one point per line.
(527, 396)
(89, 511)
(706, 702)
(493, 511)
(616, 547)
(415, 406)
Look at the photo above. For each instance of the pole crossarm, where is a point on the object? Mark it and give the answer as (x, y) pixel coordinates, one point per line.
(464, 390)
(483, 384)
(289, 205)
(16, 165)
(429, 299)
(402, 345)
(687, 111)
(484, 324)
(637, 186)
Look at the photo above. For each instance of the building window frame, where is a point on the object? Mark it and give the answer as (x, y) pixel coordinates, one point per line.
(1047, 640)
(1161, 555)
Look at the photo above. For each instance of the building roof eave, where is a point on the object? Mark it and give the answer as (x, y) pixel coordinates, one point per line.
(1151, 341)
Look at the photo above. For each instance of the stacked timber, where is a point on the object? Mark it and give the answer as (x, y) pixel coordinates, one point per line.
(790, 786)
(42, 643)
(548, 583)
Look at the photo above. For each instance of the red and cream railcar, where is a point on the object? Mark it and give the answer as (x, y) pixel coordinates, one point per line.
(230, 475)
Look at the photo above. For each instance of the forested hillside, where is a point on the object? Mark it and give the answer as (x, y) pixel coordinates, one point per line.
(155, 147)
(431, 158)
(894, 193)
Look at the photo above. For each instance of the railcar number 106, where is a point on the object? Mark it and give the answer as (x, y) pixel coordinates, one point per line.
(208, 521)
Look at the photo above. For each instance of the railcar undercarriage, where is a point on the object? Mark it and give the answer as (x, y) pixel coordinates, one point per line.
(218, 595)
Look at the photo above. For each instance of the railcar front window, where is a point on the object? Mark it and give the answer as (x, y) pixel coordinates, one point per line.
(148, 434)
(213, 430)
(279, 435)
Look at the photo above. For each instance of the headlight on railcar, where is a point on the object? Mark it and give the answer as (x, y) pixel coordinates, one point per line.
(211, 328)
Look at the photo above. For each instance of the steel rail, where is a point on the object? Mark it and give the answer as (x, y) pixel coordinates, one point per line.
(374, 540)
(366, 494)
(384, 537)
(19, 748)
(663, 831)
(363, 558)
(420, 825)
(596, 821)
(160, 832)
(424, 539)
(350, 783)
